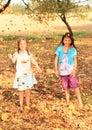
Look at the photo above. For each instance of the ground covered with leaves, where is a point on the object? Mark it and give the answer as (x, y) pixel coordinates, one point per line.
(48, 108)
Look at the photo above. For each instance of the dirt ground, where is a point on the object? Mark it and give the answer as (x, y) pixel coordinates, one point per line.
(48, 107)
(11, 24)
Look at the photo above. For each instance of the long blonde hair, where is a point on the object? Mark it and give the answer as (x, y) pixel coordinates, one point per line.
(18, 44)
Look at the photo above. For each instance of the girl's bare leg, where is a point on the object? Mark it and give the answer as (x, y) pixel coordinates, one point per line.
(21, 98)
(27, 96)
(77, 92)
(67, 95)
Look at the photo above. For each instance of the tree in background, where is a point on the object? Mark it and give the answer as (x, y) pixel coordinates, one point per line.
(51, 9)
(44, 10)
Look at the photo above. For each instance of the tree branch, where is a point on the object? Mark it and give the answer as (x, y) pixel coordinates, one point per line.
(25, 4)
(5, 6)
(81, 1)
(63, 18)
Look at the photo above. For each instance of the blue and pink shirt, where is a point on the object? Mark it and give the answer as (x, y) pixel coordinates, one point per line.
(65, 60)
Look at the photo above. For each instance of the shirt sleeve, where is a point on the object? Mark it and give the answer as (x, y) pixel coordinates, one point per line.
(14, 57)
(31, 55)
(57, 51)
(75, 52)
(15, 54)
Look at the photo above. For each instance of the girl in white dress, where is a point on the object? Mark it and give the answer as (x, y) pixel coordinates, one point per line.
(24, 78)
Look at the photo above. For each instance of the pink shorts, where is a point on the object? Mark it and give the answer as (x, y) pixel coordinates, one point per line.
(69, 82)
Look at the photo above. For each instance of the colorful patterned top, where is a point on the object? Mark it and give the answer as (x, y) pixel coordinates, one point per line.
(65, 60)
(23, 64)
(70, 53)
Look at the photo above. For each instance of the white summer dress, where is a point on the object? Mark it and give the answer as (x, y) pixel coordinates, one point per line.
(24, 78)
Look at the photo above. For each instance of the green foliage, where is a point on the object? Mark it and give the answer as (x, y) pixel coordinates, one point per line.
(82, 34)
(32, 37)
(10, 37)
(18, 8)
(55, 7)
(52, 6)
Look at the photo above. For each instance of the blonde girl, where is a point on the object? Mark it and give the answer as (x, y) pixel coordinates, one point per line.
(24, 79)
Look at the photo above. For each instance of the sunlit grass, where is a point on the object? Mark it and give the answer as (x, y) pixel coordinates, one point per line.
(48, 36)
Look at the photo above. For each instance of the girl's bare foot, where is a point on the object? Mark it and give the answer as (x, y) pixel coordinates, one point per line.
(21, 109)
(81, 105)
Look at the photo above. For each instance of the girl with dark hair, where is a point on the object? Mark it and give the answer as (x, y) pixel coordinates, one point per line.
(66, 66)
(24, 79)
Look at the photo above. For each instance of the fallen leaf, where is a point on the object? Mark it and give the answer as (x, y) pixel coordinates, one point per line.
(4, 116)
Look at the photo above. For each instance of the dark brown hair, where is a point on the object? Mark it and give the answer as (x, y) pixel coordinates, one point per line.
(67, 34)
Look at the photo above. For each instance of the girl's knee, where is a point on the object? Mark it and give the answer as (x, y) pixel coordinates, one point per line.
(27, 92)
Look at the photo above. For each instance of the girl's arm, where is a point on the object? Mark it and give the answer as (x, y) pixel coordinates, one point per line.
(75, 66)
(56, 65)
(75, 63)
(35, 63)
(13, 57)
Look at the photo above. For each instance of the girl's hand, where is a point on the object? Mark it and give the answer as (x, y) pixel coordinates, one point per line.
(73, 73)
(39, 69)
(56, 73)
(10, 56)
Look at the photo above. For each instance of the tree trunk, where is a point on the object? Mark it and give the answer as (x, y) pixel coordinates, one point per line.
(5, 6)
(63, 18)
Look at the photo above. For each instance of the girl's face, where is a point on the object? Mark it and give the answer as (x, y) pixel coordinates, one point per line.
(23, 45)
(67, 41)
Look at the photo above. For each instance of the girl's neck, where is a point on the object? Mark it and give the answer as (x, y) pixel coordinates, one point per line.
(66, 48)
(23, 51)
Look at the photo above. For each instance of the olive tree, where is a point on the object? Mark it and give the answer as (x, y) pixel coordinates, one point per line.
(50, 9)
